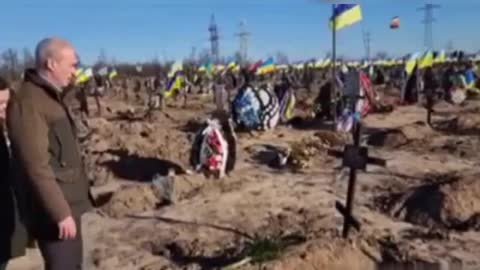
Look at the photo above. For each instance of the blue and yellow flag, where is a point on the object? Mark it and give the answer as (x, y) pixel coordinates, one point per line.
(113, 74)
(78, 72)
(219, 68)
(207, 67)
(412, 63)
(232, 65)
(83, 75)
(174, 84)
(441, 57)
(177, 66)
(426, 60)
(345, 15)
(267, 66)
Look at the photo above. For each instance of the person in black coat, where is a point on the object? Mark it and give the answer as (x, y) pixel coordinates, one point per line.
(13, 235)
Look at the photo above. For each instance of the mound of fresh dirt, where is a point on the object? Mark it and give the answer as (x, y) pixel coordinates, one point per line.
(331, 138)
(299, 155)
(387, 138)
(462, 147)
(334, 254)
(302, 153)
(452, 204)
(399, 137)
(118, 148)
(465, 124)
(132, 200)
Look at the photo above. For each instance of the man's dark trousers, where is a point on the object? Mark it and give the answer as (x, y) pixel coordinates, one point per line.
(62, 254)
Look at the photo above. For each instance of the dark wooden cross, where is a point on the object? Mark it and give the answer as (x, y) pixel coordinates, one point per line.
(429, 115)
(430, 100)
(354, 157)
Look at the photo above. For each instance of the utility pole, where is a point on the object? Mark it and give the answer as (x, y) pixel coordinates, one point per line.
(243, 36)
(366, 43)
(428, 21)
(214, 38)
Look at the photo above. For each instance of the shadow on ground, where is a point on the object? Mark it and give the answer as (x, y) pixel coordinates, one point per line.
(454, 127)
(178, 256)
(137, 168)
(310, 124)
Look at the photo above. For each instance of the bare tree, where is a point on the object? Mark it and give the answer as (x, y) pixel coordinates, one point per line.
(114, 61)
(3, 70)
(450, 47)
(11, 62)
(156, 66)
(28, 59)
(193, 55)
(382, 55)
(282, 58)
(102, 58)
(204, 56)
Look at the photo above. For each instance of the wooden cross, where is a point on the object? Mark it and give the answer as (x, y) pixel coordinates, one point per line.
(353, 156)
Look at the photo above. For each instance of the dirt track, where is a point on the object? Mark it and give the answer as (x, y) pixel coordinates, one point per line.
(421, 210)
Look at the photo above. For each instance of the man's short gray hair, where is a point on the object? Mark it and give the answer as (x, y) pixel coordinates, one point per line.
(46, 49)
(43, 52)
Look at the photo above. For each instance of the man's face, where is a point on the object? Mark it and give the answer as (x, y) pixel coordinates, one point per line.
(4, 97)
(63, 66)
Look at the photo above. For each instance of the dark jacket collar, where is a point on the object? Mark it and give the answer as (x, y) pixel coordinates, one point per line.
(32, 76)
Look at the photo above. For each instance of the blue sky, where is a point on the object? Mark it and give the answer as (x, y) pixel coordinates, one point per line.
(138, 30)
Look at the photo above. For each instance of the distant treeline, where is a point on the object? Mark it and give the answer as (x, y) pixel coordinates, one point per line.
(13, 62)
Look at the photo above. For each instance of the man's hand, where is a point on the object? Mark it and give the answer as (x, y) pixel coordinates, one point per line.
(67, 229)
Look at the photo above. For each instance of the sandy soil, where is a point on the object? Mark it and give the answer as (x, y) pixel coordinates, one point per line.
(422, 210)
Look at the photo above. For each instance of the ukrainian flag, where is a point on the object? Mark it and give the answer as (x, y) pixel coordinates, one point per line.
(426, 60)
(208, 67)
(174, 84)
(219, 68)
(318, 63)
(255, 66)
(113, 74)
(84, 75)
(411, 63)
(232, 65)
(345, 15)
(327, 62)
(177, 66)
(267, 66)
(78, 72)
(441, 57)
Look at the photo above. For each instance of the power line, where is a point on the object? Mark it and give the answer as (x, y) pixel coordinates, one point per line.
(366, 44)
(214, 39)
(428, 22)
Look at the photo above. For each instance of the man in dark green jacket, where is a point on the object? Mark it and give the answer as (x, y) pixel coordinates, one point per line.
(46, 156)
(13, 236)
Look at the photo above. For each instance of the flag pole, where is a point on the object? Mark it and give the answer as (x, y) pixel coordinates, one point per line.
(334, 72)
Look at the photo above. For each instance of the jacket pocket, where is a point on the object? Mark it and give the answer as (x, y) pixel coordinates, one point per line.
(73, 185)
(63, 146)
